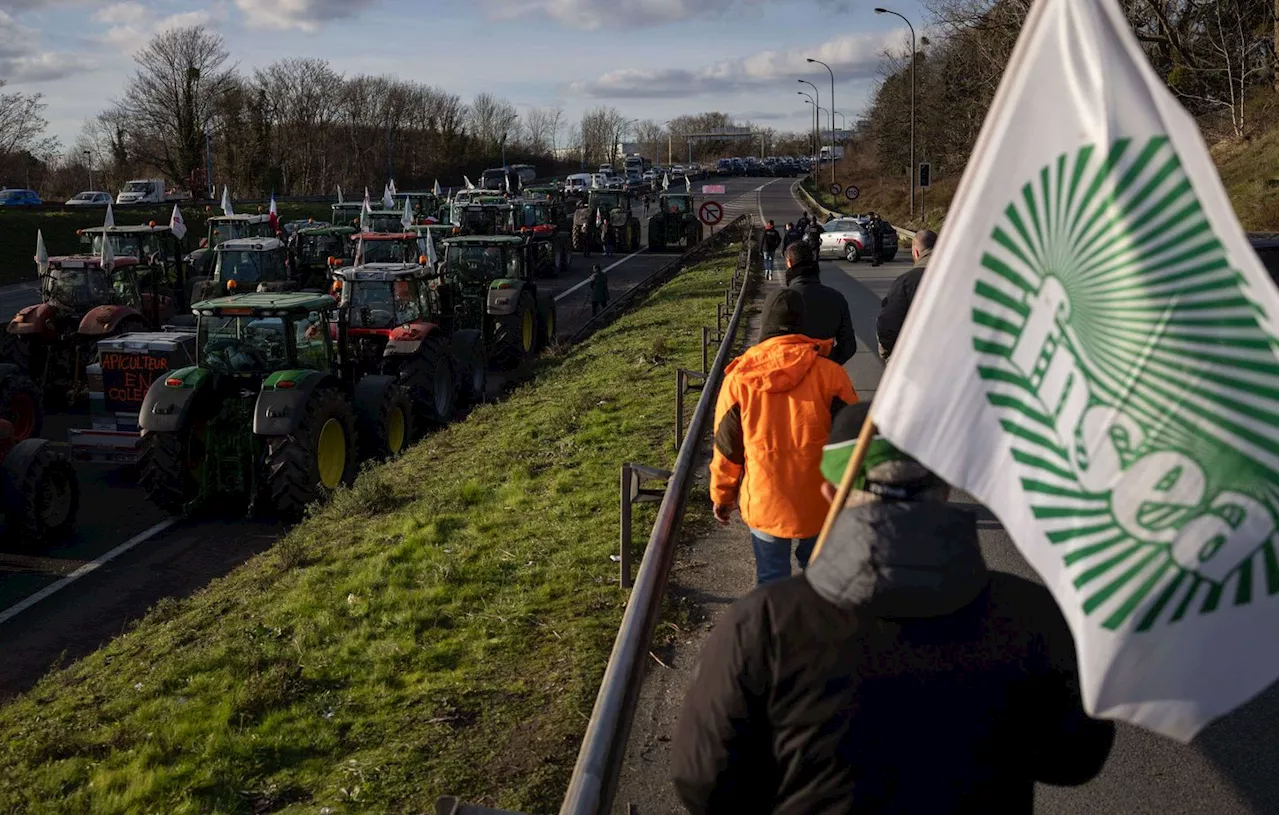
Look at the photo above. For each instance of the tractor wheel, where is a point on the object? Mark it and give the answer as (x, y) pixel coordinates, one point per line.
(307, 465)
(635, 235)
(40, 492)
(429, 379)
(22, 404)
(171, 466)
(472, 362)
(547, 325)
(515, 336)
(16, 350)
(384, 417)
(851, 252)
(656, 235)
(578, 241)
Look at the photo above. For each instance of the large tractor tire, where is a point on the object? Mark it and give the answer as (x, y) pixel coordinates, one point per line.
(547, 323)
(21, 403)
(657, 234)
(634, 228)
(579, 238)
(429, 379)
(384, 417)
(39, 492)
(515, 336)
(15, 350)
(471, 360)
(307, 465)
(171, 466)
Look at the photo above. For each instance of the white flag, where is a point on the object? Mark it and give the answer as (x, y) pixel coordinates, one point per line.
(106, 254)
(42, 255)
(359, 258)
(226, 202)
(432, 259)
(176, 225)
(666, 182)
(688, 185)
(1092, 355)
(387, 201)
(368, 207)
(109, 221)
(467, 183)
(406, 217)
(435, 188)
(340, 201)
(392, 185)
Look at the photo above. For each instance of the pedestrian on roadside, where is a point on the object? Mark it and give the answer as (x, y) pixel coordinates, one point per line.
(788, 235)
(896, 674)
(902, 293)
(803, 223)
(599, 289)
(826, 311)
(873, 234)
(769, 243)
(813, 236)
(772, 415)
(606, 233)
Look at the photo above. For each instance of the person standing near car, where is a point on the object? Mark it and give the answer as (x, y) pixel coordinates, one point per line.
(873, 234)
(902, 292)
(826, 311)
(769, 243)
(813, 236)
(606, 235)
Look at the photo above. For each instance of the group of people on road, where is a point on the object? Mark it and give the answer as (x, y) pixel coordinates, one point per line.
(895, 672)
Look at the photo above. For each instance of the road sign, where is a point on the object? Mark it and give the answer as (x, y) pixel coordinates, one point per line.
(852, 193)
(713, 189)
(710, 213)
(924, 175)
(836, 189)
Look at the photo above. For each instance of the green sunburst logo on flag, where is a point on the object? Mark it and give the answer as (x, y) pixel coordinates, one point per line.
(1136, 383)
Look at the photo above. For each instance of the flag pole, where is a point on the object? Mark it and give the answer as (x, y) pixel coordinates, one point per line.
(846, 483)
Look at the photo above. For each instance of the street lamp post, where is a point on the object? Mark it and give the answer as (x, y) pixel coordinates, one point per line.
(88, 163)
(664, 124)
(812, 144)
(913, 103)
(817, 127)
(833, 117)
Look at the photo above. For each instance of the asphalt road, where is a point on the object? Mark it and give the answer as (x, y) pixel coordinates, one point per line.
(1231, 767)
(179, 560)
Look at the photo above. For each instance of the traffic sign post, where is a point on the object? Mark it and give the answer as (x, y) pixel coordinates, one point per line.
(836, 189)
(926, 173)
(710, 213)
(852, 193)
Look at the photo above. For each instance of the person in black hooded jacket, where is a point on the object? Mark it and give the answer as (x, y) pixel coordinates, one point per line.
(826, 310)
(896, 674)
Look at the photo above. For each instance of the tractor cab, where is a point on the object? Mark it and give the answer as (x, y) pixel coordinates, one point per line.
(491, 217)
(533, 215)
(423, 205)
(391, 247)
(254, 335)
(482, 259)
(237, 227)
(676, 203)
(79, 283)
(313, 249)
(381, 296)
(251, 264)
(608, 201)
(347, 213)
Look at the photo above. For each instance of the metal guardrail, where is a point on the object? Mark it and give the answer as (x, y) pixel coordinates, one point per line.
(595, 775)
(812, 203)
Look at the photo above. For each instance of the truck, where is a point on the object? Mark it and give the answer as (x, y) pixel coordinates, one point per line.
(148, 191)
(827, 152)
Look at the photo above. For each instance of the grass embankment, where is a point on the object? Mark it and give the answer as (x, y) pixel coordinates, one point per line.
(19, 226)
(440, 628)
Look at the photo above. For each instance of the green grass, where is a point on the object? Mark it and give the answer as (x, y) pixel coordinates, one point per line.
(19, 226)
(441, 627)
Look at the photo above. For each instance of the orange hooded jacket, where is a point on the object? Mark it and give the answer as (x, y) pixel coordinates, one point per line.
(772, 419)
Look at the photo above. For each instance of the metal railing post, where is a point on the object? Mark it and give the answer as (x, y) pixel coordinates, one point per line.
(683, 375)
(630, 492)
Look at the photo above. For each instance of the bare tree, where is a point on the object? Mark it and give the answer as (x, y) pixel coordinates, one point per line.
(538, 125)
(492, 120)
(22, 124)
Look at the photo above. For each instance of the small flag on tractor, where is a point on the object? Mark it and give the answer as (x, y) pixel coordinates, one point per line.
(392, 185)
(435, 188)
(340, 201)
(226, 202)
(364, 213)
(467, 182)
(110, 220)
(273, 217)
(42, 255)
(666, 182)
(432, 259)
(106, 255)
(176, 225)
(406, 217)
(359, 258)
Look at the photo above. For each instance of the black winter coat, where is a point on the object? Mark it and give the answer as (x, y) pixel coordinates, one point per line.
(826, 312)
(896, 304)
(770, 240)
(895, 675)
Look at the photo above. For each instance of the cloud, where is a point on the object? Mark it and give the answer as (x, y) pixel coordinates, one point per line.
(854, 56)
(304, 15)
(132, 25)
(122, 14)
(22, 60)
(594, 14)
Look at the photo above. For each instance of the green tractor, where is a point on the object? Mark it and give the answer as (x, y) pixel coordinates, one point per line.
(613, 205)
(536, 220)
(488, 284)
(674, 223)
(274, 409)
(222, 228)
(314, 250)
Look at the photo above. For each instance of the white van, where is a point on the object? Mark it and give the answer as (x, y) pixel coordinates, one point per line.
(578, 182)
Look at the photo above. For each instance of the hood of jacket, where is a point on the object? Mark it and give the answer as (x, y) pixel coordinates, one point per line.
(779, 364)
(901, 560)
(810, 271)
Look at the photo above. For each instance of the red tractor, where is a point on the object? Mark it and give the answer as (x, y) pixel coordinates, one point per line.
(81, 302)
(391, 314)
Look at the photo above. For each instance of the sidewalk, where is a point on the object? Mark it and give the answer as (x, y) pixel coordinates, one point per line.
(709, 573)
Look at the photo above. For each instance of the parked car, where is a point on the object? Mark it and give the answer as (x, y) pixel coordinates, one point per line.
(89, 199)
(847, 238)
(19, 198)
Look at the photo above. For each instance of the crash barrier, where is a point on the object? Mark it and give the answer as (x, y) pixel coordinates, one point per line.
(630, 492)
(595, 774)
(618, 305)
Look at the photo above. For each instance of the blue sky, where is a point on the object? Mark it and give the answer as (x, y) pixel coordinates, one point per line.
(652, 59)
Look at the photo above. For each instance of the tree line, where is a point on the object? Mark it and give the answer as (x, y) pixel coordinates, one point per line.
(1218, 58)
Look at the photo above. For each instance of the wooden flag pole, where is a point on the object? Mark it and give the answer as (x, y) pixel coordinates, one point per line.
(846, 483)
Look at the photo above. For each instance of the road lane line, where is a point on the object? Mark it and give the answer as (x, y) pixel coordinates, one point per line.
(88, 568)
(587, 280)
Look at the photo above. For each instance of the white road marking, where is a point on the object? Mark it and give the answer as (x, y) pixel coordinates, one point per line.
(16, 609)
(582, 283)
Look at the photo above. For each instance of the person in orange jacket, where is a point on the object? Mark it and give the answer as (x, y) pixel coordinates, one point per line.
(772, 419)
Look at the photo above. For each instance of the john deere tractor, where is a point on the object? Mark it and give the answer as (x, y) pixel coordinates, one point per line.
(675, 223)
(488, 284)
(550, 248)
(274, 410)
(613, 206)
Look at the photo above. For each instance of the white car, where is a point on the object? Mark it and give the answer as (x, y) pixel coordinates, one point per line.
(90, 198)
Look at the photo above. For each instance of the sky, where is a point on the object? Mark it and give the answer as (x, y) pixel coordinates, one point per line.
(652, 59)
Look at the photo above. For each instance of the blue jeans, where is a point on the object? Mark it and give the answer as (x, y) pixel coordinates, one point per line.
(768, 260)
(773, 555)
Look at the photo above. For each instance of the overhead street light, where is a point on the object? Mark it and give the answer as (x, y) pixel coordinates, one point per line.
(833, 116)
(664, 124)
(913, 103)
(817, 126)
(88, 163)
(813, 148)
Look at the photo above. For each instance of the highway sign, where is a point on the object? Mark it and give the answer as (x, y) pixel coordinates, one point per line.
(925, 173)
(710, 213)
(836, 189)
(713, 189)
(851, 193)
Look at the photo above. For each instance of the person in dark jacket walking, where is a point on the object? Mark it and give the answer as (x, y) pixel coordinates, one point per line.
(813, 236)
(789, 236)
(826, 310)
(902, 292)
(896, 674)
(599, 289)
(769, 243)
(874, 228)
